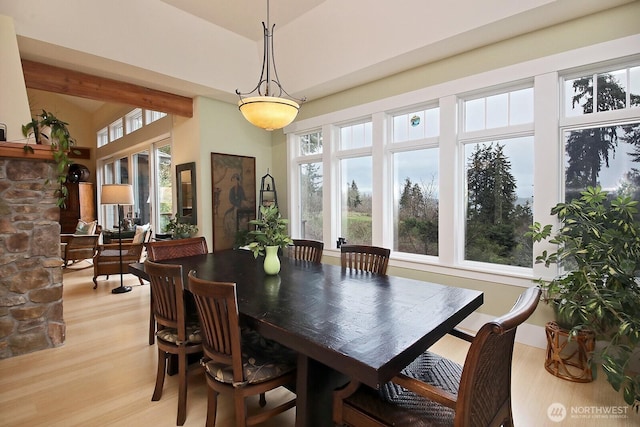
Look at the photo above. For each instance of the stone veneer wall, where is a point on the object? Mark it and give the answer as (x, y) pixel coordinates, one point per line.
(30, 265)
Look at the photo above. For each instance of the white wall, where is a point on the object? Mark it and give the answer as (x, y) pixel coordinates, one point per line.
(14, 104)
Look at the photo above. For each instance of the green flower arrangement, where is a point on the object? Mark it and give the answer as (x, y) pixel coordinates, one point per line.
(271, 230)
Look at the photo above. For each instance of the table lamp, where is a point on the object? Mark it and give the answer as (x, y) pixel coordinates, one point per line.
(118, 194)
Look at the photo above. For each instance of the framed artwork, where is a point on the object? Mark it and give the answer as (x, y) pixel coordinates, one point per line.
(233, 180)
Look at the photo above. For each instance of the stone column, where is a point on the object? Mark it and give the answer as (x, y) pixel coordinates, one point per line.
(31, 316)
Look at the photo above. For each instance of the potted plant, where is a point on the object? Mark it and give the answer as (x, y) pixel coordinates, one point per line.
(180, 230)
(269, 236)
(47, 128)
(599, 288)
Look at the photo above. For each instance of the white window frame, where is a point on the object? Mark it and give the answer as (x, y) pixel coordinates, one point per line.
(548, 186)
(131, 118)
(116, 129)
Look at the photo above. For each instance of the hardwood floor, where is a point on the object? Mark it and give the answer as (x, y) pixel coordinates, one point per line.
(104, 374)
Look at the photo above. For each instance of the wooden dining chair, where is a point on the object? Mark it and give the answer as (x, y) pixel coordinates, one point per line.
(175, 335)
(433, 390)
(168, 249)
(241, 364)
(307, 250)
(365, 258)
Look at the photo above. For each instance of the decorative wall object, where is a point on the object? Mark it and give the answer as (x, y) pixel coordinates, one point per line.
(233, 179)
(187, 200)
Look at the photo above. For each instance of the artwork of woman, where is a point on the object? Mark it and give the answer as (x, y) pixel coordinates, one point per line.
(236, 192)
(233, 196)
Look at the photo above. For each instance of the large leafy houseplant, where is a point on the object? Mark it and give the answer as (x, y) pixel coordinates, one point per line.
(599, 289)
(270, 230)
(47, 128)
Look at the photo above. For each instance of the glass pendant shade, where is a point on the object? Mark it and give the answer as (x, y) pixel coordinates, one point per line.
(268, 112)
(265, 110)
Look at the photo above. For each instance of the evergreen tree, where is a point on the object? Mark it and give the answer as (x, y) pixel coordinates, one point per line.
(353, 196)
(588, 149)
(491, 229)
(491, 185)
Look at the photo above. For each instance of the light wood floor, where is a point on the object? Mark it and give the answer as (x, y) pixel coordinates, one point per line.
(104, 373)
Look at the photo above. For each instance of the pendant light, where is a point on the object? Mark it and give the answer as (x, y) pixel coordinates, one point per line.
(264, 106)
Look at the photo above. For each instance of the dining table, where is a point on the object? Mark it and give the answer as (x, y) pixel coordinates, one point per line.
(343, 324)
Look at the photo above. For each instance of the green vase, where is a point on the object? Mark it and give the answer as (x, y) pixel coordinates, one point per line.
(271, 260)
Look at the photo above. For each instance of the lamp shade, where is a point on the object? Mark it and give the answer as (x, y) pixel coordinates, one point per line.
(268, 112)
(117, 194)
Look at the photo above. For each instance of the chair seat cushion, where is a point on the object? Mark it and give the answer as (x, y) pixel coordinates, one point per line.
(111, 253)
(171, 334)
(262, 360)
(401, 407)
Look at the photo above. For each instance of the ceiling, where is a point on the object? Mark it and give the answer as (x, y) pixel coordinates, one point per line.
(213, 47)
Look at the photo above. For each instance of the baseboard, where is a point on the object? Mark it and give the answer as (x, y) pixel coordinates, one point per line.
(526, 334)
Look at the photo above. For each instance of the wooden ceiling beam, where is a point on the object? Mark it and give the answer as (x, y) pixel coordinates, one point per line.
(60, 80)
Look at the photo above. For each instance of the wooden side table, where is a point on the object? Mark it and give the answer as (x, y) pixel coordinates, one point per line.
(569, 359)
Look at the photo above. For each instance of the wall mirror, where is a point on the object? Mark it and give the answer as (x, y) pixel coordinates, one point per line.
(186, 185)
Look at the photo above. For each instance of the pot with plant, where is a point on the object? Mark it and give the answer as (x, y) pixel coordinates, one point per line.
(598, 289)
(179, 229)
(46, 128)
(269, 236)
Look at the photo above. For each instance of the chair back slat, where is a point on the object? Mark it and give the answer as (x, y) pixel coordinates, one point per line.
(307, 250)
(168, 295)
(365, 258)
(219, 317)
(169, 249)
(485, 386)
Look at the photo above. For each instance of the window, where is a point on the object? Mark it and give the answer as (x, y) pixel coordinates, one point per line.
(310, 178)
(355, 171)
(500, 110)
(114, 172)
(355, 136)
(311, 144)
(499, 178)
(416, 125)
(163, 186)
(103, 137)
(152, 116)
(311, 200)
(599, 151)
(134, 120)
(607, 156)
(415, 185)
(614, 90)
(415, 158)
(131, 122)
(446, 179)
(355, 202)
(116, 130)
(141, 207)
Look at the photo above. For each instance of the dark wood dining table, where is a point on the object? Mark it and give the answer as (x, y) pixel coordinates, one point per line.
(343, 324)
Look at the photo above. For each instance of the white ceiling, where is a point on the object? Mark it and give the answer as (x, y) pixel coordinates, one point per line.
(213, 47)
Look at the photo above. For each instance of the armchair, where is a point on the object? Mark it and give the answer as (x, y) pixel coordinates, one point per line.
(75, 247)
(80, 245)
(107, 258)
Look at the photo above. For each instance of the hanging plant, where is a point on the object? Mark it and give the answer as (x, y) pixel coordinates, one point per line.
(47, 128)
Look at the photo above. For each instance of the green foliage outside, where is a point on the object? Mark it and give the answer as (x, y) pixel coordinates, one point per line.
(417, 229)
(496, 225)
